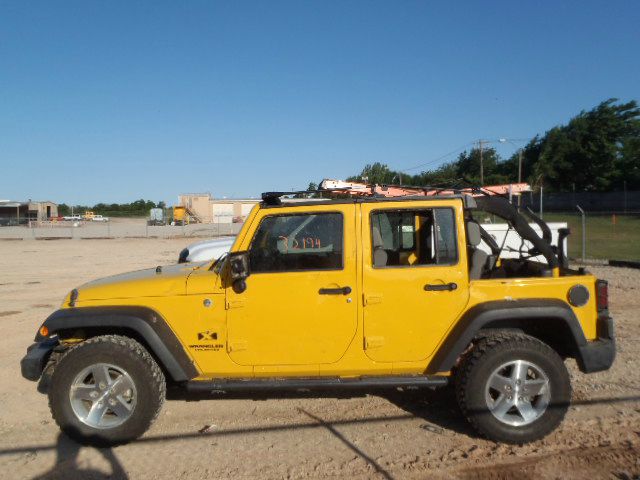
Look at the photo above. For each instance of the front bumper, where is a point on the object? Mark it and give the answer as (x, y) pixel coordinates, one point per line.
(599, 355)
(33, 363)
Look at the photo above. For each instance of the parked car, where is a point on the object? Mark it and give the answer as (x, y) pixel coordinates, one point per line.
(99, 218)
(73, 218)
(206, 250)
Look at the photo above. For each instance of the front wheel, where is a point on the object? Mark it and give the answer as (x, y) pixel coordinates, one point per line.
(106, 391)
(513, 388)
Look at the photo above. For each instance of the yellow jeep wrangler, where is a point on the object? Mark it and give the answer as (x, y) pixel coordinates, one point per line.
(357, 293)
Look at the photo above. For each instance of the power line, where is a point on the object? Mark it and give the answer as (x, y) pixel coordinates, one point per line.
(430, 162)
(475, 142)
(508, 139)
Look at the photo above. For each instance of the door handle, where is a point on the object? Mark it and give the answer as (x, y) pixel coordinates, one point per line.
(335, 291)
(447, 287)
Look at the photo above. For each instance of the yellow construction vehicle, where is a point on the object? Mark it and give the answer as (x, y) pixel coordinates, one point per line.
(180, 216)
(183, 215)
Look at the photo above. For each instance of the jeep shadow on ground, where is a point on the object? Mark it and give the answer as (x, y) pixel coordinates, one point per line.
(437, 407)
(67, 467)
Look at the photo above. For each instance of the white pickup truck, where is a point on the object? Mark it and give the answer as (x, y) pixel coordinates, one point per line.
(513, 243)
(505, 237)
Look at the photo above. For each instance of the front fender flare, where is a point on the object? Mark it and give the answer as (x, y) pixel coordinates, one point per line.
(147, 323)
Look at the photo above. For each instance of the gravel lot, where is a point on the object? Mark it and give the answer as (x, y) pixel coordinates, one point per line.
(396, 435)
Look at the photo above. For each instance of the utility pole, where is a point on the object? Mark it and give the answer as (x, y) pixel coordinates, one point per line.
(520, 174)
(541, 180)
(520, 166)
(480, 145)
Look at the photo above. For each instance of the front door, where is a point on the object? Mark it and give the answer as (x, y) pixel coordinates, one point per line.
(298, 308)
(415, 280)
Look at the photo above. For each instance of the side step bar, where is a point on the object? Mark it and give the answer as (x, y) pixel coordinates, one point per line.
(317, 383)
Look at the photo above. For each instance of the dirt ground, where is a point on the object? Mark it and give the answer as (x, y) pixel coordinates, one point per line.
(414, 434)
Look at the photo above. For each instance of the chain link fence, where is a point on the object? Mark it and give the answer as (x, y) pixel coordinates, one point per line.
(602, 235)
(604, 225)
(607, 234)
(118, 228)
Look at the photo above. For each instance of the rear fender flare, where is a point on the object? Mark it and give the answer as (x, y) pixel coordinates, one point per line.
(493, 314)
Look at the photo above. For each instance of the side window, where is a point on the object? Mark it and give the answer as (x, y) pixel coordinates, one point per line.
(397, 230)
(413, 237)
(286, 243)
(445, 242)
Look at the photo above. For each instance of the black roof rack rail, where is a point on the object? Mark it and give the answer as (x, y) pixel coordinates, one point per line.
(274, 198)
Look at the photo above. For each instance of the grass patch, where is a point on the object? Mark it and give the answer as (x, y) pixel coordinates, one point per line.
(605, 239)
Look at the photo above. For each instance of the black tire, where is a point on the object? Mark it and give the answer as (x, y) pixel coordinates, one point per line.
(476, 369)
(126, 354)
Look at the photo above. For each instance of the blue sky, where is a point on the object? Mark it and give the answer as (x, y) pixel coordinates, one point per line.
(113, 101)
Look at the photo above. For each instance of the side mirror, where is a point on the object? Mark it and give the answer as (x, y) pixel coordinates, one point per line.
(239, 270)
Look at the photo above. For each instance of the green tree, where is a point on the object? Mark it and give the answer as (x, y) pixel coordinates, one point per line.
(628, 164)
(530, 154)
(377, 173)
(468, 167)
(595, 150)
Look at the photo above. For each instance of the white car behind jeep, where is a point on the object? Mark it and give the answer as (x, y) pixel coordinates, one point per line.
(206, 250)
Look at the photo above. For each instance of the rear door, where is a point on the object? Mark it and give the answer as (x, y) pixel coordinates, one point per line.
(415, 277)
(298, 307)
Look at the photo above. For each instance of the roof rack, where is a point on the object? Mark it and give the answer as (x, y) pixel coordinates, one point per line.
(356, 189)
(275, 198)
(386, 190)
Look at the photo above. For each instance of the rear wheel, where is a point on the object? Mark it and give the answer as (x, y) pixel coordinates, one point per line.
(105, 391)
(513, 388)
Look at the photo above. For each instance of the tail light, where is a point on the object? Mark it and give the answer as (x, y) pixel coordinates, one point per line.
(602, 295)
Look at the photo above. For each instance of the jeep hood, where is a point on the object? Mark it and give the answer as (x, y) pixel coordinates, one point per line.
(152, 282)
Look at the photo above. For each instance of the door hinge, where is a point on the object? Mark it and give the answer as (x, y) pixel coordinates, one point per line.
(237, 346)
(234, 304)
(373, 342)
(371, 299)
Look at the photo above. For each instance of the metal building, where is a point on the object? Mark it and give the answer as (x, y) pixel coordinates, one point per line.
(206, 209)
(19, 213)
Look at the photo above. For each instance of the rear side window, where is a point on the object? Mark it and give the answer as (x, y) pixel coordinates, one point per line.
(286, 243)
(446, 251)
(413, 237)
